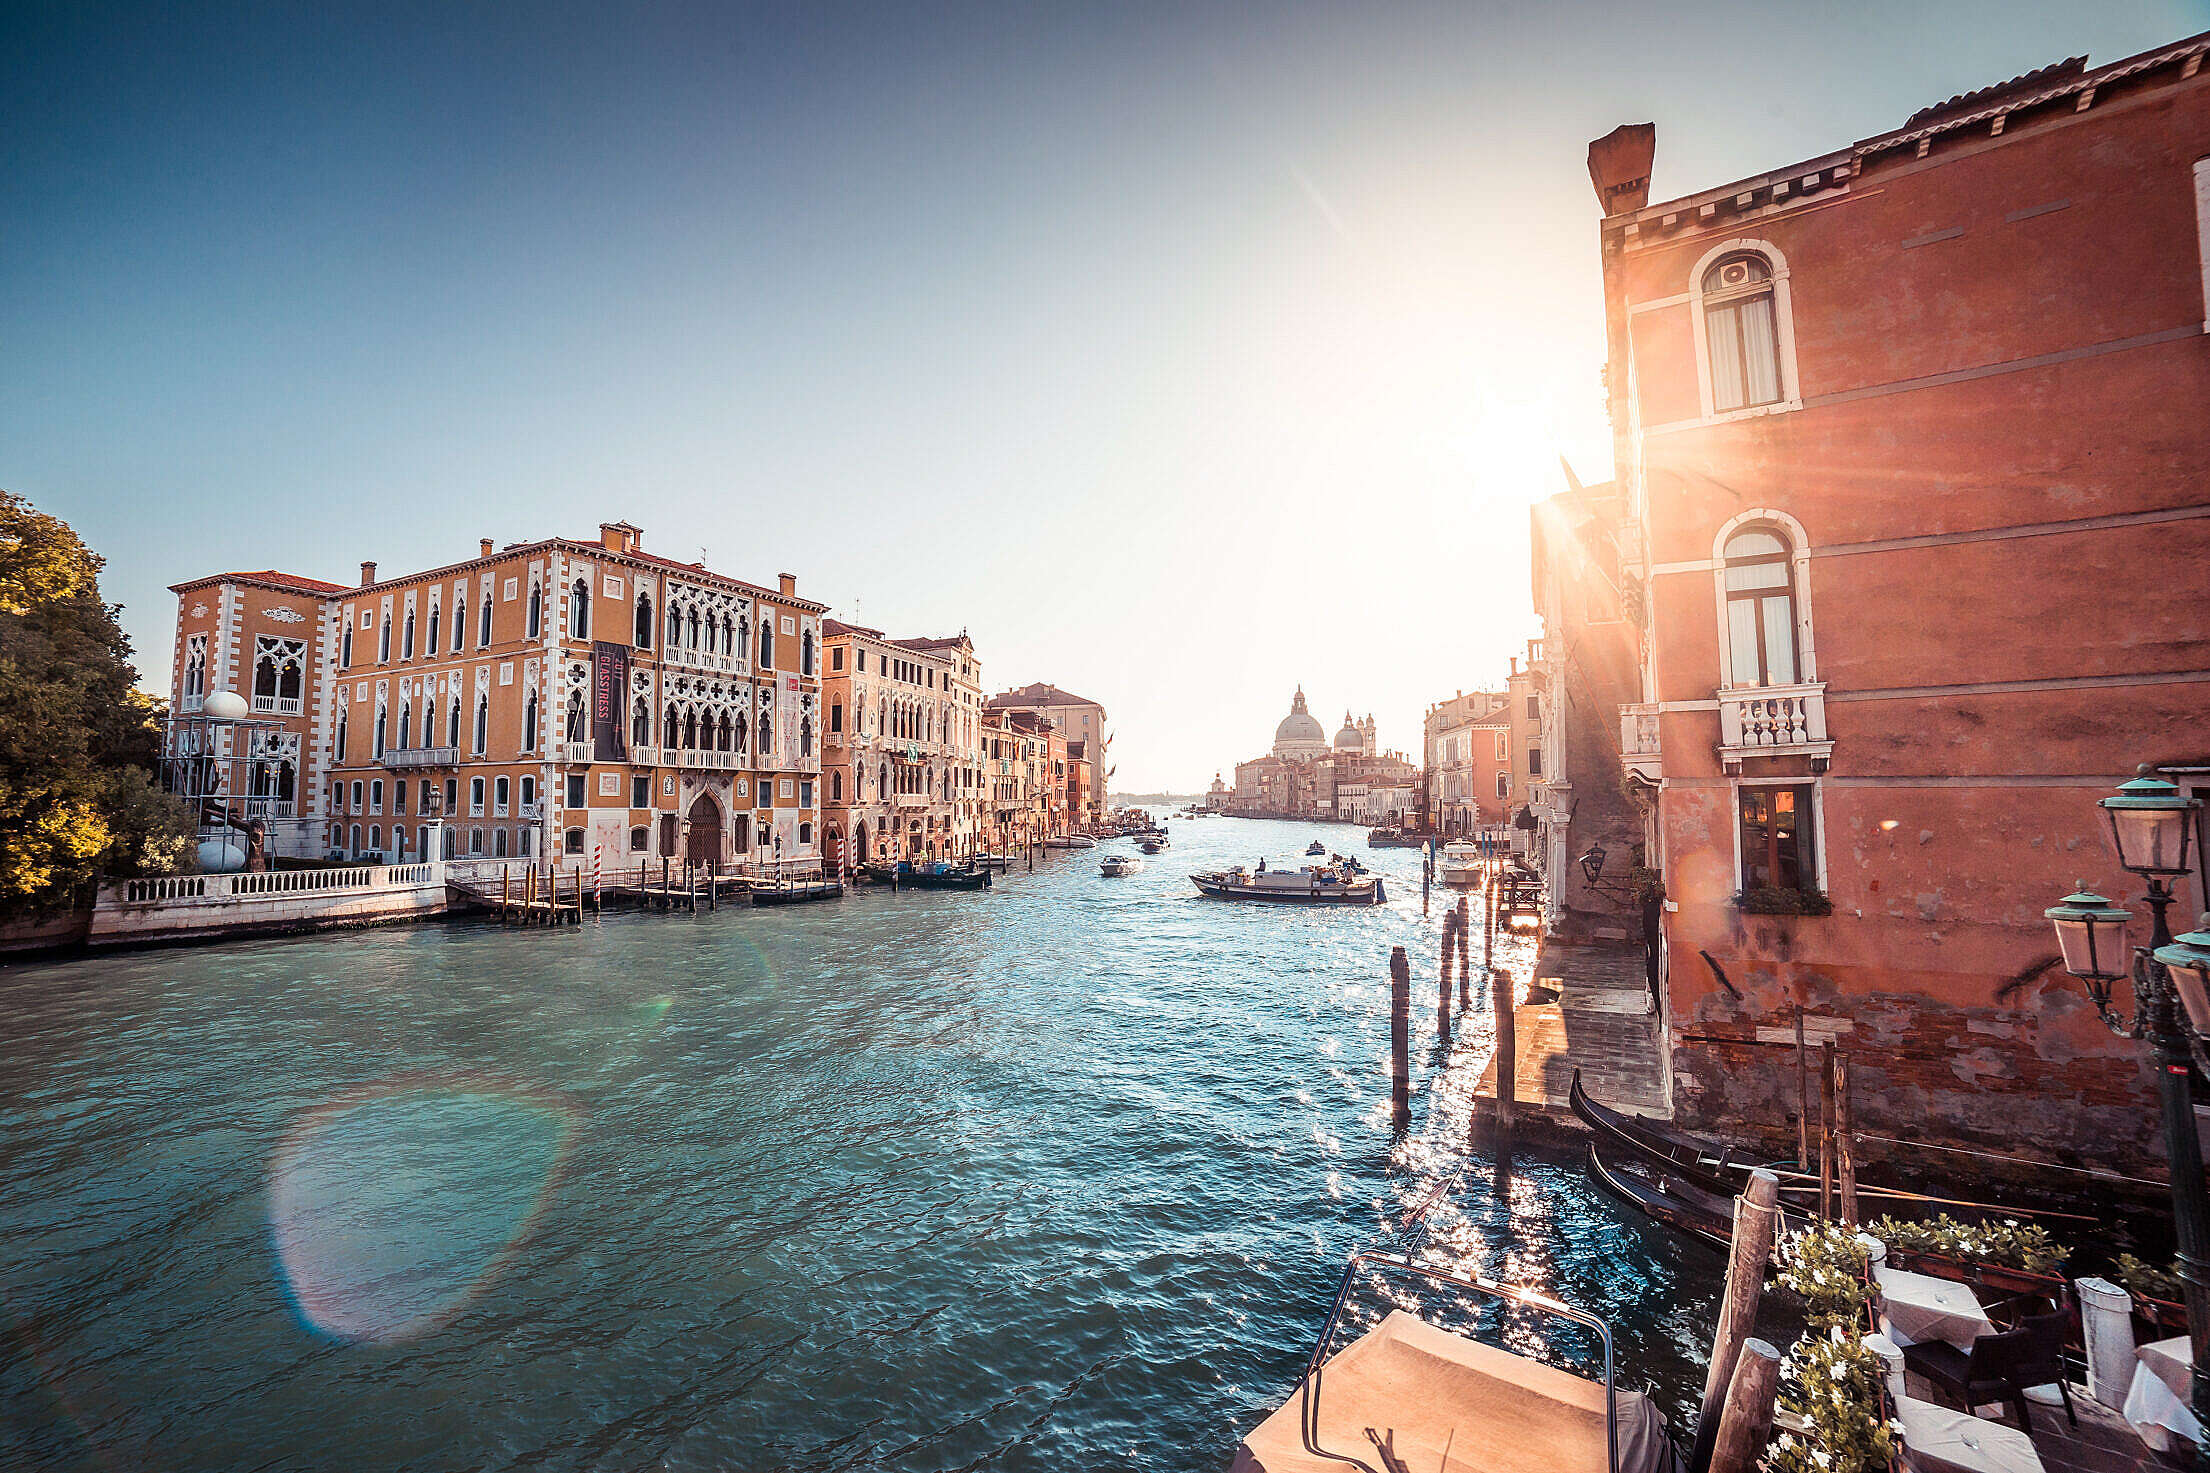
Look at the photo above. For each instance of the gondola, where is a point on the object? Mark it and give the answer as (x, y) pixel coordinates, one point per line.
(1669, 1198)
(945, 879)
(796, 892)
(1683, 1158)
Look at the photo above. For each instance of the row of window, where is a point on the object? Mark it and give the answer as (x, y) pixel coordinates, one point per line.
(685, 629)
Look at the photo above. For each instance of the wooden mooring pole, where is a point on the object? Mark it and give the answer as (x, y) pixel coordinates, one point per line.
(1442, 1001)
(1845, 1140)
(1756, 1213)
(1400, 1038)
(1746, 1425)
(1507, 1051)
(1488, 925)
(1803, 1098)
(1826, 1130)
(1465, 953)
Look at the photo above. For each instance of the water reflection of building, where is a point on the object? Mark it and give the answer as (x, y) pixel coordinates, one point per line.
(1307, 776)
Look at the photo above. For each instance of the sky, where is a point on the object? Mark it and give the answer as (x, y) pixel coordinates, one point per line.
(1181, 354)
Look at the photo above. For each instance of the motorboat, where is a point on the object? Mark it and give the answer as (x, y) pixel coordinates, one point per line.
(1394, 839)
(1461, 864)
(1309, 885)
(1437, 1393)
(1114, 866)
(1316, 847)
(1071, 841)
(1153, 843)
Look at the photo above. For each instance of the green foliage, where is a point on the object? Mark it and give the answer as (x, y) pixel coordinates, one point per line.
(2009, 1243)
(1645, 884)
(77, 742)
(1827, 1266)
(2146, 1281)
(1834, 1383)
(1773, 900)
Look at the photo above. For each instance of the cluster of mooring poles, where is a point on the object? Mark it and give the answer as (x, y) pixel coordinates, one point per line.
(1457, 947)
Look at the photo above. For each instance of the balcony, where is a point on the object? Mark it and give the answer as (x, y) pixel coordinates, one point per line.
(532, 812)
(1638, 742)
(269, 808)
(575, 752)
(644, 756)
(704, 760)
(911, 800)
(401, 759)
(1774, 721)
(276, 705)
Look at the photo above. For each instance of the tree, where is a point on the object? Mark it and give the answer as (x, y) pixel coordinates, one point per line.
(78, 742)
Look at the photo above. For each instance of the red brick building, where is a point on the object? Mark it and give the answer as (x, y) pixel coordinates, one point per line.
(1914, 446)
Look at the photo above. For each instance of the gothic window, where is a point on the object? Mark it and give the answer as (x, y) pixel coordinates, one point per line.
(536, 608)
(670, 731)
(575, 716)
(640, 723)
(579, 609)
(707, 642)
(692, 642)
(644, 621)
(529, 723)
(345, 647)
(433, 629)
(1761, 608)
(452, 727)
(341, 736)
(383, 643)
(406, 642)
(744, 635)
(729, 636)
(805, 736)
(675, 626)
(767, 645)
(836, 717)
(690, 730)
(805, 653)
(483, 722)
(483, 630)
(727, 732)
(379, 737)
(836, 785)
(406, 723)
(739, 732)
(1741, 332)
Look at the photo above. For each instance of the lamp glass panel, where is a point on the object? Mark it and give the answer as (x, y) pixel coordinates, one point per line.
(2193, 986)
(2151, 840)
(2092, 948)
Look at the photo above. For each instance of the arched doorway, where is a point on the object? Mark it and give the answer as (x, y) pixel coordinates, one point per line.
(705, 845)
(859, 842)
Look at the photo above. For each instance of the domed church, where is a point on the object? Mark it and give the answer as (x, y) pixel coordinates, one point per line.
(1357, 737)
(1300, 737)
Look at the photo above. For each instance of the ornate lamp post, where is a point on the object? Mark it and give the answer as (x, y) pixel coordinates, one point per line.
(2152, 826)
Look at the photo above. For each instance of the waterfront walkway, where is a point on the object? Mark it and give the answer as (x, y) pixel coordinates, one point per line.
(1602, 1023)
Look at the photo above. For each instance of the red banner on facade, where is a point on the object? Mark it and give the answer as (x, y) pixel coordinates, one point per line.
(609, 692)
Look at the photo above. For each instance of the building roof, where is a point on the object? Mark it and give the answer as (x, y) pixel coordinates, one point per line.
(267, 578)
(835, 627)
(1041, 693)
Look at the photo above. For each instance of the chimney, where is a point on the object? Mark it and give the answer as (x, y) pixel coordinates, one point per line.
(610, 536)
(1619, 166)
(368, 574)
(789, 582)
(484, 547)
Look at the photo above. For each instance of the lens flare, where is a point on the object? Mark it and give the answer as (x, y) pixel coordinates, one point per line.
(391, 1210)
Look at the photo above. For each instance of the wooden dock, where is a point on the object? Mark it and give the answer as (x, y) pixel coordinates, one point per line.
(538, 900)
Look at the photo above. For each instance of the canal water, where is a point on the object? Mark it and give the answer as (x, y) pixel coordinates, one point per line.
(1059, 1175)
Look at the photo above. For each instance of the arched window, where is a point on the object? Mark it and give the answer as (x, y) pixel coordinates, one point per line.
(1761, 608)
(640, 720)
(1741, 332)
(707, 644)
(378, 742)
(345, 647)
(726, 735)
(836, 785)
(692, 642)
(406, 643)
(675, 626)
(805, 736)
(536, 608)
(529, 723)
(805, 653)
(882, 780)
(483, 633)
(575, 716)
(744, 635)
(669, 733)
(729, 636)
(483, 721)
(429, 721)
(433, 630)
(738, 733)
(452, 725)
(644, 621)
(690, 730)
(383, 643)
(579, 610)
(767, 644)
(341, 736)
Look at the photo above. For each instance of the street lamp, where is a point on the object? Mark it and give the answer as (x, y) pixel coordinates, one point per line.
(2151, 824)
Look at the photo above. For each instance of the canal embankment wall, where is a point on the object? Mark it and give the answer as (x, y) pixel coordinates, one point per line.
(169, 908)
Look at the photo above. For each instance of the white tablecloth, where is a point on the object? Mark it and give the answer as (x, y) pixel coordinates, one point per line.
(1938, 1439)
(1917, 1307)
(2156, 1409)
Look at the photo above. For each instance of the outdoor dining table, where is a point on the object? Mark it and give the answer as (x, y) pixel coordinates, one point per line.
(1918, 1307)
(1939, 1439)
(2156, 1402)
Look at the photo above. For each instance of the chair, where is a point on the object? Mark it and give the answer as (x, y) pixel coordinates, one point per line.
(1999, 1367)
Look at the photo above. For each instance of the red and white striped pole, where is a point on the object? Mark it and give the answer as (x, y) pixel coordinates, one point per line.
(598, 895)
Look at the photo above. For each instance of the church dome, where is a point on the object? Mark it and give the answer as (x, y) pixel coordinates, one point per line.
(1350, 738)
(1298, 731)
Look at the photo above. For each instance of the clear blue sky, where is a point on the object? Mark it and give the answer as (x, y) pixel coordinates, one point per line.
(1180, 353)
